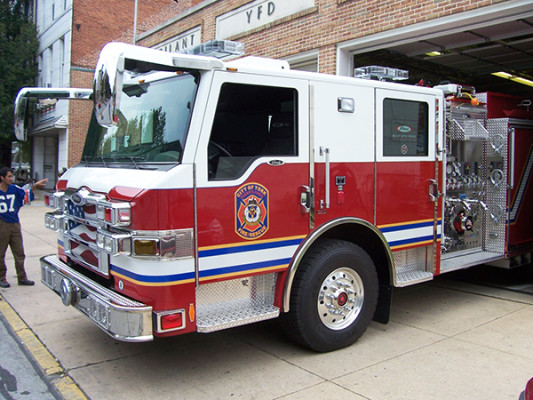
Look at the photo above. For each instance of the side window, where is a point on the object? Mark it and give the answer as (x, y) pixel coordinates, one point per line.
(405, 128)
(251, 121)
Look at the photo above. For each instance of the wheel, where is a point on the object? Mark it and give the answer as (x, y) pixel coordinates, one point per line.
(334, 296)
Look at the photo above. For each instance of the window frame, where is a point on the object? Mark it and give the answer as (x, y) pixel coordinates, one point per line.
(212, 94)
(429, 100)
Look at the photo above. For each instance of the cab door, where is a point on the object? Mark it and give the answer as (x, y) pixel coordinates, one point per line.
(407, 181)
(252, 170)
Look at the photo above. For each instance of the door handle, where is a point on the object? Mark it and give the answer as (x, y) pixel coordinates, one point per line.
(433, 191)
(324, 151)
(305, 199)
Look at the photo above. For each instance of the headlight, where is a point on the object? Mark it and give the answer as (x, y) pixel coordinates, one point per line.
(54, 221)
(114, 243)
(55, 200)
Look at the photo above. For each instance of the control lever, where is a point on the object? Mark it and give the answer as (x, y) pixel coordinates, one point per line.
(479, 202)
(461, 201)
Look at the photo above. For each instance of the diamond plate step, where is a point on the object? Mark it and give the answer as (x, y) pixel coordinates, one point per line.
(235, 302)
(234, 313)
(412, 277)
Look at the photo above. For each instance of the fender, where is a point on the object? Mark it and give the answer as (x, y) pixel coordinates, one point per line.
(320, 232)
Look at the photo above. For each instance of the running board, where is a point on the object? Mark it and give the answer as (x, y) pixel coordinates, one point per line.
(407, 278)
(455, 261)
(235, 302)
(411, 266)
(231, 314)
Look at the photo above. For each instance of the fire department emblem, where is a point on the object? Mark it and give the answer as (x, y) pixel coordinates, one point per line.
(251, 211)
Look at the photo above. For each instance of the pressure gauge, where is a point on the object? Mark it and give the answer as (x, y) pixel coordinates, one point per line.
(496, 177)
(449, 169)
(497, 143)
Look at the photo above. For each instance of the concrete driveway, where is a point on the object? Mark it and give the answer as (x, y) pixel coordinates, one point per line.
(446, 340)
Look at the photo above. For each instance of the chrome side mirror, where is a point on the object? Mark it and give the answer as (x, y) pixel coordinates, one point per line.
(24, 96)
(107, 84)
(21, 105)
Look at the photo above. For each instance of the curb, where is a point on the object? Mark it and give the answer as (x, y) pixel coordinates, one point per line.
(51, 369)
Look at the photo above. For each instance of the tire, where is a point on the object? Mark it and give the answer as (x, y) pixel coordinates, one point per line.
(325, 315)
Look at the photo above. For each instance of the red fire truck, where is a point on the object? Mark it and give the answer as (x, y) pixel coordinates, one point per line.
(212, 194)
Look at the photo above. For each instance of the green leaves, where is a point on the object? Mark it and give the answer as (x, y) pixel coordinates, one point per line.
(18, 68)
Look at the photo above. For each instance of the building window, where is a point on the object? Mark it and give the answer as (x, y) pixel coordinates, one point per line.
(61, 64)
(405, 128)
(304, 61)
(309, 65)
(251, 121)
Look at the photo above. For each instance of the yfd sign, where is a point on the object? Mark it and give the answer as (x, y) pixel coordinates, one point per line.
(256, 14)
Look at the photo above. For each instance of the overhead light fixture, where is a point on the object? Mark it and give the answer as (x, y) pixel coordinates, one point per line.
(434, 53)
(514, 78)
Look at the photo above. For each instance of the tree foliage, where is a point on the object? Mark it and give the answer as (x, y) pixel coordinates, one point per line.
(18, 50)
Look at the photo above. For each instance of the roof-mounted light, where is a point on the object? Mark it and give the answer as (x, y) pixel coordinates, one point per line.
(217, 48)
(381, 73)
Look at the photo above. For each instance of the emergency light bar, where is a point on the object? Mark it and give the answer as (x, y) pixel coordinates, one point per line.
(381, 73)
(217, 48)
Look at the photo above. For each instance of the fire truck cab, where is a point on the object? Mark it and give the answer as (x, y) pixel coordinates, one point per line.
(214, 194)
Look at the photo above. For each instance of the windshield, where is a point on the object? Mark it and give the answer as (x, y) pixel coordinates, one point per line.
(153, 120)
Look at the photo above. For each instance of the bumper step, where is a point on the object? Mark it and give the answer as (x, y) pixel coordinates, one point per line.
(120, 317)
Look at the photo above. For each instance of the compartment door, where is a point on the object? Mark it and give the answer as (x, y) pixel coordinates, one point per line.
(407, 182)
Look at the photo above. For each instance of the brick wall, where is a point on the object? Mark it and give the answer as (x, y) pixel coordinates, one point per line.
(321, 27)
(79, 117)
(98, 22)
(94, 24)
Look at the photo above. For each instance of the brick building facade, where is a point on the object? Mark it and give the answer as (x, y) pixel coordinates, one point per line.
(330, 36)
(71, 34)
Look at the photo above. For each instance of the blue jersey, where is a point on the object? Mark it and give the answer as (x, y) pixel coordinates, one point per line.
(11, 201)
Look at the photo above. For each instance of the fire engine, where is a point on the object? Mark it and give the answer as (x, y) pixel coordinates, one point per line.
(212, 194)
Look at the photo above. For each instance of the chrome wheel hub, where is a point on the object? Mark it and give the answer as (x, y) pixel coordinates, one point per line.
(340, 298)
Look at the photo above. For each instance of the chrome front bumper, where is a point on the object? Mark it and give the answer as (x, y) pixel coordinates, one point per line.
(121, 318)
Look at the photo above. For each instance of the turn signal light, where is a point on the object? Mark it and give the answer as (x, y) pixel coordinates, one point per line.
(145, 247)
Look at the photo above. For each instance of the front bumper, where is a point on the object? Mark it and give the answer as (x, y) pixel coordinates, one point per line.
(120, 317)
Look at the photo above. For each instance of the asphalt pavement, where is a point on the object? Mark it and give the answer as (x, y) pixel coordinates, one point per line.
(446, 339)
(20, 376)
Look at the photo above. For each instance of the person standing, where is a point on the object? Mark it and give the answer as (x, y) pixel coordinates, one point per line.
(12, 198)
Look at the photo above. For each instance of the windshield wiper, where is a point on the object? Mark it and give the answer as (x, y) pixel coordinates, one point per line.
(133, 161)
(92, 158)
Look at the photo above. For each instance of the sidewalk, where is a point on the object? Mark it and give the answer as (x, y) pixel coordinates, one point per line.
(446, 340)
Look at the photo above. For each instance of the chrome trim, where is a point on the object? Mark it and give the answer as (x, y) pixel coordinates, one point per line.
(311, 157)
(120, 243)
(195, 230)
(324, 151)
(306, 244)
(511, 163)
(54, 220)
(118, 316)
